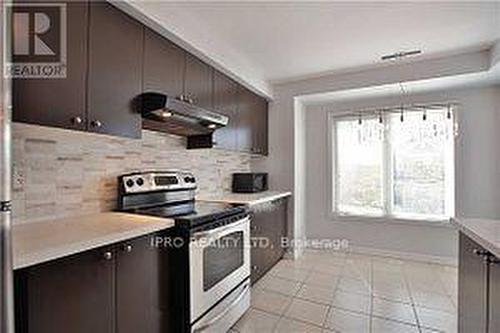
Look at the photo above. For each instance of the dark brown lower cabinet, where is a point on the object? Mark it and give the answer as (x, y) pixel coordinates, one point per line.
(135, 286)
(472, 287)
(494, 299)
(118, 289)
(74, 294)
(478, 289)
(268, 227)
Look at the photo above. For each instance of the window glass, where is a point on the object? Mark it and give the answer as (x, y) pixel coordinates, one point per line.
(419, 163)
(359, 167)
(395, 168)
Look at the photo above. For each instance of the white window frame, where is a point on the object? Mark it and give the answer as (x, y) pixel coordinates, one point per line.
(387, 194)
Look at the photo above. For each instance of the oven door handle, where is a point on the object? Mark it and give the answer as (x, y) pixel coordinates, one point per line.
(206, 234)
(224, 312)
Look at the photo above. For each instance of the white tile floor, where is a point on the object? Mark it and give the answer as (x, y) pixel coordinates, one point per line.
(334, 292)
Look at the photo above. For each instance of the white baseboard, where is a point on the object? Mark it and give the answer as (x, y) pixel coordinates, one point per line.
(449, 261)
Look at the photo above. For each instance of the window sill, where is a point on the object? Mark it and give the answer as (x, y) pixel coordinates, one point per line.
(428, 222)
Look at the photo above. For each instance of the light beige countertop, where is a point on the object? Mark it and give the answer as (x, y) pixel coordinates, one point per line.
(35, 243)
(249, 199)
(485, 232)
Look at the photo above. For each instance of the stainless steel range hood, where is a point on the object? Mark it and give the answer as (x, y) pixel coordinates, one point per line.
(179, 117)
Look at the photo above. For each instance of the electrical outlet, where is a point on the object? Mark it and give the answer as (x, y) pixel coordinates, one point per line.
(18, 178)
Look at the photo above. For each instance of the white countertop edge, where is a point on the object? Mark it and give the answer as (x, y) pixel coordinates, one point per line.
(58, 252)
(245, 198)
(480, 239)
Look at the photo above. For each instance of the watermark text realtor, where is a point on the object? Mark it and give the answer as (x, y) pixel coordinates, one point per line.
(38, 40)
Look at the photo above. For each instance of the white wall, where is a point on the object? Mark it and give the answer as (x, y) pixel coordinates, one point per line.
(477, 176)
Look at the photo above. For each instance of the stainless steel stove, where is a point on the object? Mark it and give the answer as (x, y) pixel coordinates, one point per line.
(216, 255)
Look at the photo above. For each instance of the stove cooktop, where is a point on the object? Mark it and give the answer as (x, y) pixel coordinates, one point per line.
(194, 213)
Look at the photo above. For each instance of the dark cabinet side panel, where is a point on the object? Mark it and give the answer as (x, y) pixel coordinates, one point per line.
(225, 102)
(472, 288)
(164, 64)
(58, 102)
(75, 294)
(494, 297)
(115, 71)
(198, 82)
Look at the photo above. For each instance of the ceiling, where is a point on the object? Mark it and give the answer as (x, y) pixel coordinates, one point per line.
(282, 41)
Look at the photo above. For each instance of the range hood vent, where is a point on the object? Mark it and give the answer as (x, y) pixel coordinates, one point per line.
(169, 114)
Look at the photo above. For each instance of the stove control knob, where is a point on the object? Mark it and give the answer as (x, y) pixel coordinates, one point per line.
(187, 179)
(193, 180)
(139, 181)
(130, 183)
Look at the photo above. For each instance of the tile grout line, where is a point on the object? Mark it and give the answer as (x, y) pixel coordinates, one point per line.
(370, 325)
(410, 294)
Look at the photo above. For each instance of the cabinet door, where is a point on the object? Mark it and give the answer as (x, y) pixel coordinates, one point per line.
(198, 82)
(472, 288)
(258, 252)
(74, 294)
(163, 65)
(225, 102)
(115, 71)
(58, 102)
(245, 120)
(260, 137)
(269, 223)
(494, 296)
(135, 286)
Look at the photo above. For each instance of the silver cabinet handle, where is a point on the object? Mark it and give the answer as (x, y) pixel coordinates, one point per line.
(96, 123)
(128, 248)
(76, 120)
(108, 255)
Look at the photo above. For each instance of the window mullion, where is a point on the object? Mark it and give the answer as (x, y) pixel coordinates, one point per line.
(387, 167)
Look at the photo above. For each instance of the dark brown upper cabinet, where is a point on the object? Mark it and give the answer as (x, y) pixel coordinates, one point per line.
(115, 71)
(260, 136)
(58, 102)
(164, 65)
(252, 125)
(198, 82)
(244, 121)
(111, 59)
(226, 102)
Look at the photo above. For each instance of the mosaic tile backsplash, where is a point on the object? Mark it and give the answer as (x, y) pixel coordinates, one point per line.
(61, 173)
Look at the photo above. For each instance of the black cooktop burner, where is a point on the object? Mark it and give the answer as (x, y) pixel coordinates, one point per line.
(194, 213)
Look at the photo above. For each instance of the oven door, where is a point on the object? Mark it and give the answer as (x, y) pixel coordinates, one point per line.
(219, 261)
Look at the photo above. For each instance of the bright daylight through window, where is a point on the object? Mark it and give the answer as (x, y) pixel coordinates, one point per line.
(399, 166)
